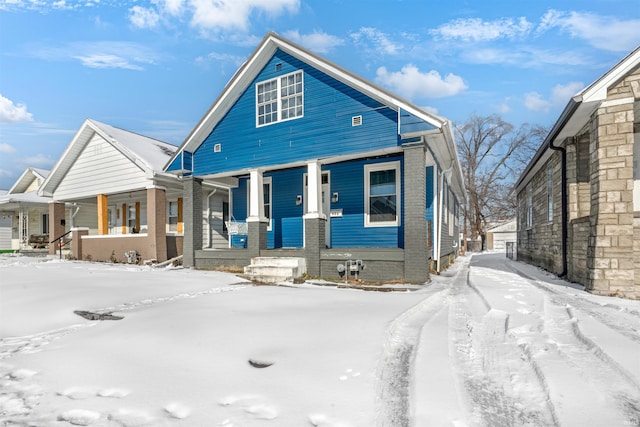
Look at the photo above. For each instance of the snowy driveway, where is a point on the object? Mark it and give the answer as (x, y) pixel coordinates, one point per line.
(489, 343)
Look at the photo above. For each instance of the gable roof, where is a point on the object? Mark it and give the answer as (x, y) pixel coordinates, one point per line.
(27, 178)
(577, 113)
(245, 75)
(147, 153)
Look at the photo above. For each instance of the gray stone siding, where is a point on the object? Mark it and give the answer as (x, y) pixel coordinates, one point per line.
(380, 264)
(541, 244)
(578, 235)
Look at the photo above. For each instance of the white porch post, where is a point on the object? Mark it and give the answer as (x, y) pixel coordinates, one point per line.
(256, 197)
(314, 191)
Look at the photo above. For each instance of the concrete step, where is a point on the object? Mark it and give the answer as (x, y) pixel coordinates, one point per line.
(275, 269)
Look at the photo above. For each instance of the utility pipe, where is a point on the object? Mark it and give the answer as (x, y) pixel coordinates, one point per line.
(440, 220)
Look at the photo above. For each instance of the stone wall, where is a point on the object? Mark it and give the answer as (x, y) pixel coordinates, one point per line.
(610, 256)
(541, 244)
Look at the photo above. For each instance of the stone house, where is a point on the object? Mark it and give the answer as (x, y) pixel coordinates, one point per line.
(579, 198)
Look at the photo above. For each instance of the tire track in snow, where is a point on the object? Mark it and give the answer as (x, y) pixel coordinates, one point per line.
(11, 346)
(630, 327)
(393, 382)
(500, 389)
(578, 367)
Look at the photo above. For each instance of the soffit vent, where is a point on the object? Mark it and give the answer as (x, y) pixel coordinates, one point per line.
(356, 120)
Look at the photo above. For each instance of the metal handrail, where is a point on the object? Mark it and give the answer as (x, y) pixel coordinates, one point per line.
(60, 238)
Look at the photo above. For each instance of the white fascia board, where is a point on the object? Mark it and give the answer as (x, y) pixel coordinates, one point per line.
(597, 91)
(63, 164)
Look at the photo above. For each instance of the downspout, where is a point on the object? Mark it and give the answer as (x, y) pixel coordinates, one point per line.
(563, 179)
(209, 237)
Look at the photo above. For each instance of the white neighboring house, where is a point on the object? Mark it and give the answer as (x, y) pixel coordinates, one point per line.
(499, 234)
(24, 215)
(120, 200)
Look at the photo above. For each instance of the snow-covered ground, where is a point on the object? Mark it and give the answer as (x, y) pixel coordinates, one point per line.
(490, 342)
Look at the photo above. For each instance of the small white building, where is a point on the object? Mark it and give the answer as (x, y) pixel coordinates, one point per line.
(499, 234)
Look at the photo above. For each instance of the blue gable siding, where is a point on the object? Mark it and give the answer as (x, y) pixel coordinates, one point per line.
(410, 123)
(183, 161)
(347, 179)
(324, 130)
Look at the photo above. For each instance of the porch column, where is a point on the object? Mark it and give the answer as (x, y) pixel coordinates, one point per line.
(314, 219)
(56, 223)
(192, 219)
(157, 222)
(103, 214)
(416, 263)
(257, 222)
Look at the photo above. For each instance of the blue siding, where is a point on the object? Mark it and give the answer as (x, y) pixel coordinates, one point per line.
(410, 123)
(325, 130)
(347, 179)
(286, 222)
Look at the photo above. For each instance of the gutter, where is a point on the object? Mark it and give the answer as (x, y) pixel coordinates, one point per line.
(568, 112)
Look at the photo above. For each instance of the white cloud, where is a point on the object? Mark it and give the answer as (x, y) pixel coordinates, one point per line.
(524, 57)
(603, 32)
(215, 15)
(40, 160)
(381, 42)
(13, 113)
(143, 17)
(6, 148)
(560, 94)
(476, 29)
(534, 101)
(103, 54)
(411, 83)
(318, 41)
(107, 61)
(225, 58)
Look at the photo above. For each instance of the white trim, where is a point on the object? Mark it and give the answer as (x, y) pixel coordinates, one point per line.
(259, 200)
(616, 102)
(373, 167)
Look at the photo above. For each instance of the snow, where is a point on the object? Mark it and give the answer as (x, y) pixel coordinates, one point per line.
(488, 342)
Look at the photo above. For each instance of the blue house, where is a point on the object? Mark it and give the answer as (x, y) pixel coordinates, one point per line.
(318, 164)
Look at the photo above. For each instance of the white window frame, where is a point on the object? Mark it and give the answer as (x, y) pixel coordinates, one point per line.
(367, 193)
(550, 192)
(265, 181)
(173, 227)
(279, 98)
(529, 207)
(44, 226)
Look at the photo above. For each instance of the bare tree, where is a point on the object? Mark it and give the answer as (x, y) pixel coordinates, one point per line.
(492, 154)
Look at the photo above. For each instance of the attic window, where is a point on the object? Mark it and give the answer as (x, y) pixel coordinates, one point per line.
(280, 99)
(217, 148)
(356, 120)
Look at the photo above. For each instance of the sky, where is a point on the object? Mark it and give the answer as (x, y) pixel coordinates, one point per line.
(154, 67)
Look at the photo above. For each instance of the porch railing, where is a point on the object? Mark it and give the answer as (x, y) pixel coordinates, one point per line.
(62, 242)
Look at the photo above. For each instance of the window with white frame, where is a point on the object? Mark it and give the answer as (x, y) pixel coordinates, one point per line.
(173, 216)
(529, 212)
(131, 218)
(45, 223)
(280, 99)
(549, 193)
(382, 194)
